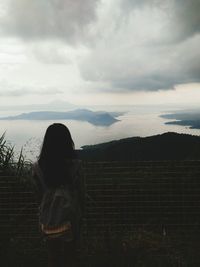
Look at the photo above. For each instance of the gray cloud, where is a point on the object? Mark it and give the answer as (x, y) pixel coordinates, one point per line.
(50, 53)
(71, 20)
(183, 16)
(128, 5)
(155, 47)
(136, 44)
(145, 68)
(36, 19)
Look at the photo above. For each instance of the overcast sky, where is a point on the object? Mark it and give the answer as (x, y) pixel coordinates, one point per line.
(100, 51)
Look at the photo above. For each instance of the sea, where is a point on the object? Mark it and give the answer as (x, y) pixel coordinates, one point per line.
(133, 121)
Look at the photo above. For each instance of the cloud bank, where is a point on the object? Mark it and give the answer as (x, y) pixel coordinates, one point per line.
(133, 45)
(36, 19)
(152, 45)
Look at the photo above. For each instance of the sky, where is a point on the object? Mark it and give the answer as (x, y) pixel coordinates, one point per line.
(109, 52)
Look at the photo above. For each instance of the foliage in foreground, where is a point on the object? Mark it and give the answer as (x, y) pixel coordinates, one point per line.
(144, 248)
(9, 163)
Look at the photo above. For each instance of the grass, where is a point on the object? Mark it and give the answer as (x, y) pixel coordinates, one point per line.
(9, 163)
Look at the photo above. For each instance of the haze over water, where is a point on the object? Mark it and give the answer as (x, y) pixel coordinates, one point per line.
(136, 121)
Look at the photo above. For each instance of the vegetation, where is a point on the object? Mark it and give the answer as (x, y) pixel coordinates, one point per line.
(143, 248)
(9, 164)
(15, 207)
(167, 146)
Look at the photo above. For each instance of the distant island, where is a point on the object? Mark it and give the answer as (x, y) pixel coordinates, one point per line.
(167, 146)
(189, 118)
(98, 118)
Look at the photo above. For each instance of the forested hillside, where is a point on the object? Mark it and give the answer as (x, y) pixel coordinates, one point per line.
(167, 146)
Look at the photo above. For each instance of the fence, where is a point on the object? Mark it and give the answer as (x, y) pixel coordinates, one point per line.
(123, 200)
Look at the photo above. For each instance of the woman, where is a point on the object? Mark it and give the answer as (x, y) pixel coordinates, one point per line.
(58, 167)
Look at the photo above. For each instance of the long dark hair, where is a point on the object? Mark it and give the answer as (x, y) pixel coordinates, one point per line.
(56, 153)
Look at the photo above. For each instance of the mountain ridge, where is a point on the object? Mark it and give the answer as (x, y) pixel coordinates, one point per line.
(98, 118)
(166, 146)
(188, 118)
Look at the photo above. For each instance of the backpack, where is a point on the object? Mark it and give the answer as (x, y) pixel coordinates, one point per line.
(57, 210)
(57, 207)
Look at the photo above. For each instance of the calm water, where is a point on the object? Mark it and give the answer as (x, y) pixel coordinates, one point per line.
(137, 121)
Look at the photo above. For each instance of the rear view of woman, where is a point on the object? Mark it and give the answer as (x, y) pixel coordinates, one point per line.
(57, 174)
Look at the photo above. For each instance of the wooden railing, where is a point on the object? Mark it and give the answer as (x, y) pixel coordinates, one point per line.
(118, 196)
(121, 198)
(163, 196)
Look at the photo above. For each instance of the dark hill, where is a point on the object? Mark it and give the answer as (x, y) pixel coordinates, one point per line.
(167, 146)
